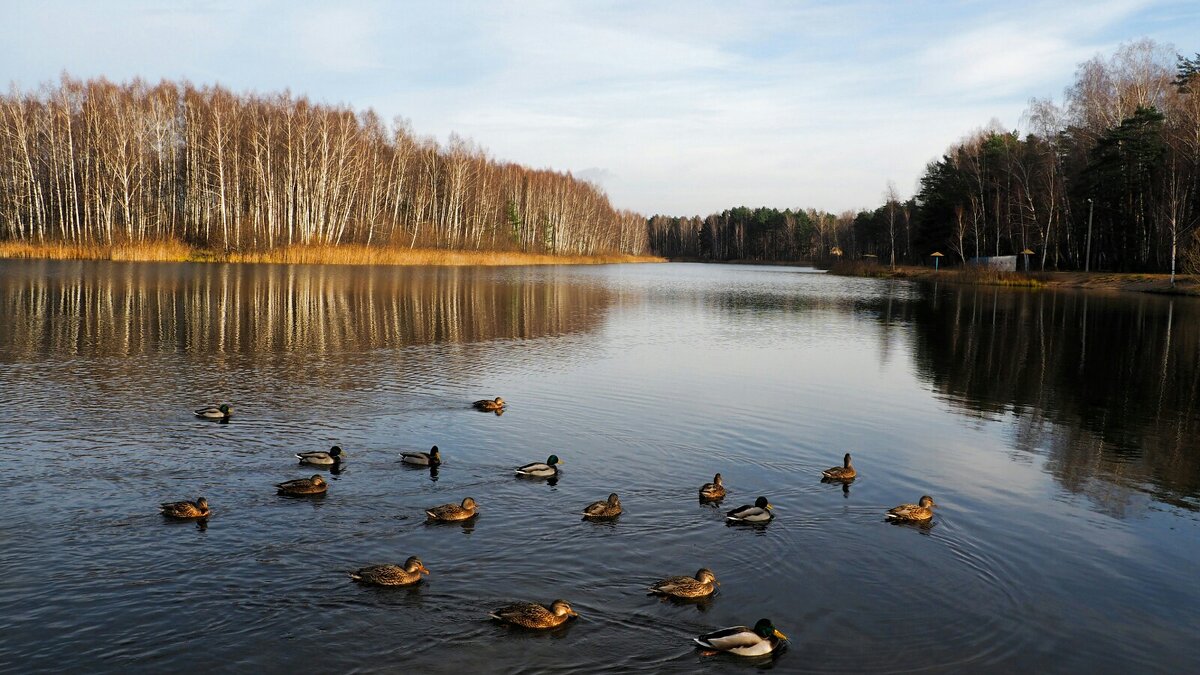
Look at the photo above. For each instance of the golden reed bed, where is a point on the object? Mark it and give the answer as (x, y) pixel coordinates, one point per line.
(350, 254)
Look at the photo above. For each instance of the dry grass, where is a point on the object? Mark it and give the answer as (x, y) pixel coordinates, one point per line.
(374, 255)
(155, 251)
(174, 251)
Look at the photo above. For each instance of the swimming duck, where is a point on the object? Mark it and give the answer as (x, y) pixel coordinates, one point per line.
(303, 486)
(539, 469)
(530, 615)
(185, 510)
(702, 585)
(844, 472)
(216, 412)
(453, 512)
(913, 512)
(713, 490)
(334, 456)
(605, 509)
(760, 512)
(764, 638)
(391, 575)
(489, 405)
(431, 458)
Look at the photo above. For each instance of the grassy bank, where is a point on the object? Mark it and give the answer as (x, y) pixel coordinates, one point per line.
(1185, 284)
(173, 251)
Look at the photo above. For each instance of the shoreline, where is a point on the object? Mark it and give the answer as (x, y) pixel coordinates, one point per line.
(346, 254)
(1137, 282)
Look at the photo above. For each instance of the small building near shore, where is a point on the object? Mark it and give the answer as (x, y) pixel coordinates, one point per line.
(1004, 263)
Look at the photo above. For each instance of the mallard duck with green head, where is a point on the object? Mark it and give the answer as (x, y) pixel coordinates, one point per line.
(610, 508)
(844, 472)
(532, 615)
(215, 412)
(335, 456)
(700, 586)
(391, 575)
(303, 486)
(540, 469)
(186, 510)
(714, 490)
(758, 512)
(763, 639)
(913, 513)
(431, 458)
(454, 512)
(489, 405)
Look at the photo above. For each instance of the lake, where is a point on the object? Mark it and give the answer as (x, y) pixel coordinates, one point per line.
(1059, 434)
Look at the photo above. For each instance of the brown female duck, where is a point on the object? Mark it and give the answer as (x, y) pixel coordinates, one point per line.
(714, 490)
(530, 615)
(844, 472)
(186, 510)
(703, 585)
(391, 575)
(489, 405)
(606, 509)
(453, 512)
(913, 513)
(303, 486)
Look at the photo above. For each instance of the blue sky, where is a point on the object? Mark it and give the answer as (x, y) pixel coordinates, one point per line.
(679, 107)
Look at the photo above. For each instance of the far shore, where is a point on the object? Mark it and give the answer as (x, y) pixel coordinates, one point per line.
(1185, 284)
(348, 254)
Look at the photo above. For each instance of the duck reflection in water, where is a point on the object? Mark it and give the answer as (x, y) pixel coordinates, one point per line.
(844, 483)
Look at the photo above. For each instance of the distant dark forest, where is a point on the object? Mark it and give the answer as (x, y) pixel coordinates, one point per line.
(1123, 152)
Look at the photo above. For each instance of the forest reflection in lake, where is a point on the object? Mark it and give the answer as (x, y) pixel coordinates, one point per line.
(1057, 432)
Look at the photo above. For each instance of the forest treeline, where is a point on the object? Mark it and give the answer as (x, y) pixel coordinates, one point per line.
(1122, 151)
(96, 162)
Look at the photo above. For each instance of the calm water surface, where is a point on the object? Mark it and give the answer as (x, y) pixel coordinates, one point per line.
(1059, 433)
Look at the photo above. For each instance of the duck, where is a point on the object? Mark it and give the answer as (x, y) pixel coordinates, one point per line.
(431, 458)
(919, 512)
(714, 490)
(489, 405)
(453, 512)
(844, 472)
(539, 469)
(391, 575)
(532, 615)
(334, 456)
(700, 586)
(606, 509)
(759, 512)
(185, 510)
(216, 412)
(303, 486)
(763, 639)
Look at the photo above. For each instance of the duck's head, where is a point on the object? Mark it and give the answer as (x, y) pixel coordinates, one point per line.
(553, 460)
(765, 629)
(614, 500)
(561, 607)
(762, 503)
(927, 502)
(336, 451)
(414, 564)
(468, 503)
(225, 409)
(717, 480)
(846, 461)
(499, 401)
(202, 504)
(317, 480)
(435, 454)
(706, 576)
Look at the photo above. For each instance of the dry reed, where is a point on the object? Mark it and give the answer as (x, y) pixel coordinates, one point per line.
(349, 254)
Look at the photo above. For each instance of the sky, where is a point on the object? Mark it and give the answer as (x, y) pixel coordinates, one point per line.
(679, 107)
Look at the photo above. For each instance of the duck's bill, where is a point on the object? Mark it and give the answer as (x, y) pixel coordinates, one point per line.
(770, 507)
(780, 635)
(424, 569)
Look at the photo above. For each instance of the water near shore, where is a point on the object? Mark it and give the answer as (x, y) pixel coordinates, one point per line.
(1056, 431)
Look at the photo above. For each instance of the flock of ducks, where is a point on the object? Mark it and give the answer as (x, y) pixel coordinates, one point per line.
(761, 639)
